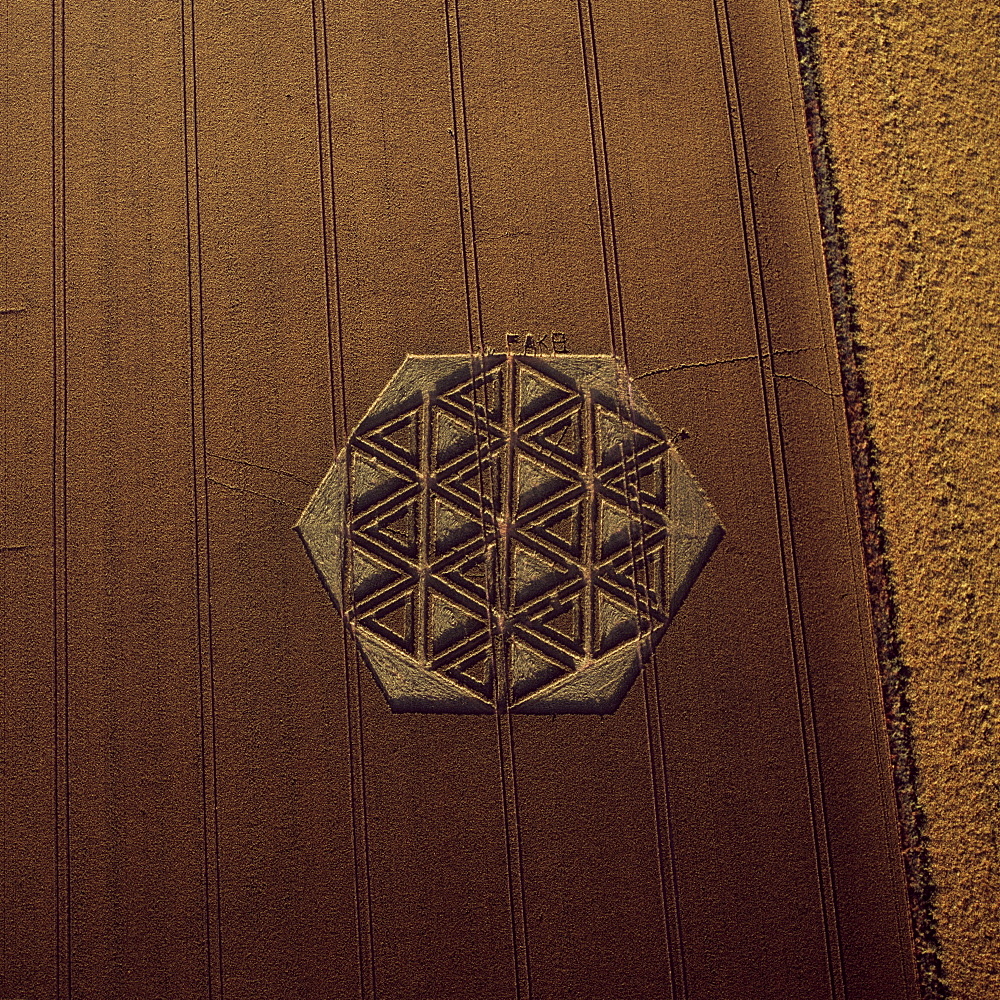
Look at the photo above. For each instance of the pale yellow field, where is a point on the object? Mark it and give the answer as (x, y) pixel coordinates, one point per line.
(911, 99)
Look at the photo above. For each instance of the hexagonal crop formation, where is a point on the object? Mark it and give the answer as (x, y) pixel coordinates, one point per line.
(508, 533)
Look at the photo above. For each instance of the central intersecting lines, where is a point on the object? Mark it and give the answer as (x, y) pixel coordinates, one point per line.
(508, 525)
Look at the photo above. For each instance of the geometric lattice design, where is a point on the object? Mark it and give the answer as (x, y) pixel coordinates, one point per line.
(508, 533)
